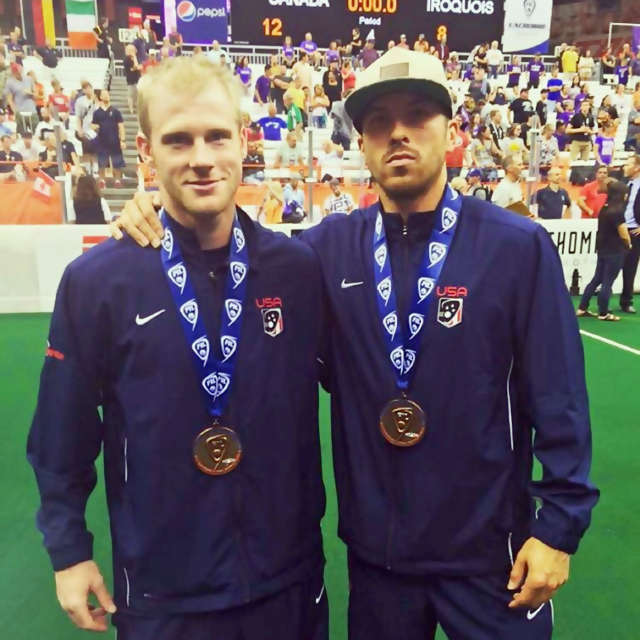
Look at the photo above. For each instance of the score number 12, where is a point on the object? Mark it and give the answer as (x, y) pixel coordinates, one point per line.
(272, 27)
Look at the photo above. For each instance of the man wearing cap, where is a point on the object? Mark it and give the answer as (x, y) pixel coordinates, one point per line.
(454, 357)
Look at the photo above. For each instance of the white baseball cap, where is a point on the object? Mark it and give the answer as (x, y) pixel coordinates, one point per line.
(398, 70)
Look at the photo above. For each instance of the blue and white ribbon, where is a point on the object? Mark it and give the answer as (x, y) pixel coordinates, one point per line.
(404, 344)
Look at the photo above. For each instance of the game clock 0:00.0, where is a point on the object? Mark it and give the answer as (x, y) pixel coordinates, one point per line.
(372, 6)
(273, 27)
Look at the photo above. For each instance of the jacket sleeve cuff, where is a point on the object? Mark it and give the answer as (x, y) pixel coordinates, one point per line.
(69, 556)
(554, 538)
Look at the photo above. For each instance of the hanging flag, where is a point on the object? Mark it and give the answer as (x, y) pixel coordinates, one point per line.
(81, 19)
(43, 185)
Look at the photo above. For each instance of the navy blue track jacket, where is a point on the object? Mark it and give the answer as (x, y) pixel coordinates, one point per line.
(499, 379)
(182, 540)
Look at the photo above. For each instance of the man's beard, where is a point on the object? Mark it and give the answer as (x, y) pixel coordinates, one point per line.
(410, 191)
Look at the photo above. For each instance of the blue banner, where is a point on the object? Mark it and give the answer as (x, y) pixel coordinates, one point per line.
(201, 21)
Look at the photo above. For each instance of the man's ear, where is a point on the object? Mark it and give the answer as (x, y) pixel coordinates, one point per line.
(452, 133)
(244, 142)
(144, 148)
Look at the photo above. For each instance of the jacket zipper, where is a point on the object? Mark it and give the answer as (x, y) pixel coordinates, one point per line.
(390, 530)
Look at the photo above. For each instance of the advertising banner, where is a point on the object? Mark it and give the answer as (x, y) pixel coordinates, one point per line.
(527, 25)
(201, 21)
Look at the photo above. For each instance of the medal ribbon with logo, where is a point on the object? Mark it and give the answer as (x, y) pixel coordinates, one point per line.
(217, 449)
(403, 421)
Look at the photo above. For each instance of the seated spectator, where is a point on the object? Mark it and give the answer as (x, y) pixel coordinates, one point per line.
(287, 52)
(294, 114)
(548, 147)
(553, 201)
(339, 201)
(311, 48)
(293, 196)
(50, 154)
(88, 206)
(453, 67)
(593, 195)
(605, 145)
(151, 61)
(421, 44)
(564, 111)
(58, 100)
(513, 146)
(319, 105)
(215, 52)
(290, 153)
(332, 54)
(45, 126)
(479, 85)
(403, 44)
(484, 154)
(369, 54)
(632, 143)
(509, 191)
(619, 102)
(27, 147)
(8, 170)
(475, 187)
(330, 161)
(272, 125)
(253, 163)
(270, 211)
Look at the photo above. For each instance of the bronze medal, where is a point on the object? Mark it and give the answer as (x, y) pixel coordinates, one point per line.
(402, 422)
(217, 450)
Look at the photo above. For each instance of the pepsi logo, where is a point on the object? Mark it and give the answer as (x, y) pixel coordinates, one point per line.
(186, 11)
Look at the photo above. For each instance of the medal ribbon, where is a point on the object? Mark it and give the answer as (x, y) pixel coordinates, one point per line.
(404, 347)
(215, 374)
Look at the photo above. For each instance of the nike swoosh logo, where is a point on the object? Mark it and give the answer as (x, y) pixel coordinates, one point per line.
(347, 285)
(320, 595)
(140, 321)
(531, 615)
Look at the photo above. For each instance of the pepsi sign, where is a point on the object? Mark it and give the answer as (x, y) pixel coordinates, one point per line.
(201, 21)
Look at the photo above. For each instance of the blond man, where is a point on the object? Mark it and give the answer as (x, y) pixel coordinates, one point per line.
(213, 480)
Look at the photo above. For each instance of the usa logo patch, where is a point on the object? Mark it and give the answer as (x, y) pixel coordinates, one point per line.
(272, 321)
(450, 312)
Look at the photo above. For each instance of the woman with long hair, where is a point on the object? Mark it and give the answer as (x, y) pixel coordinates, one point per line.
(243, 71)
(612, 241)
(319, 105)
(89, 207)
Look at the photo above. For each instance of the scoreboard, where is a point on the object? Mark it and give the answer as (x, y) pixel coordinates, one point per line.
(464, 22)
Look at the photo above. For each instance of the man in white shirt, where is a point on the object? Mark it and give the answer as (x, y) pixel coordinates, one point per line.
(509, 192)
(215, 52)
(27, 147)
(330, 161)
(303, 70)
(338, 202)
(494, 59)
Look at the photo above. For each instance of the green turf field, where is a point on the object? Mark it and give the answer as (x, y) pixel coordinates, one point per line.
(599, 602)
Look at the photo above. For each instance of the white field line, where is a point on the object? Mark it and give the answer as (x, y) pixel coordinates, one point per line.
(617, 345)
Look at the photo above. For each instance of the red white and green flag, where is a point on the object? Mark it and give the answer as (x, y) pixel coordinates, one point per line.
(81, 19)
